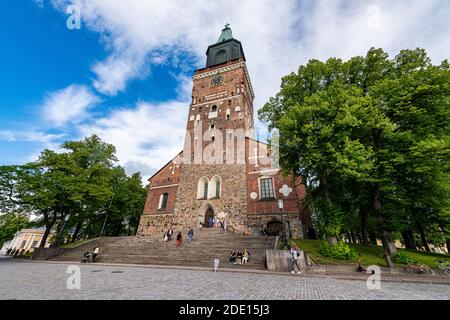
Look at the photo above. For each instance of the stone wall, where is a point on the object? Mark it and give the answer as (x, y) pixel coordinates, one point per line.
(232, 205)
(152, 224)
(280, 260)
(293, 220)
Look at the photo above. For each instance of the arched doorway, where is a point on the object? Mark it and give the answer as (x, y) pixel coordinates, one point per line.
(274, 228)
(209, 218)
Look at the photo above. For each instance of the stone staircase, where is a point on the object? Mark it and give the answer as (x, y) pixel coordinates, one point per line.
(208, 244)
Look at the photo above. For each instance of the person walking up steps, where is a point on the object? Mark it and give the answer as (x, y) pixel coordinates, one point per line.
(179, 239)
(190, 234)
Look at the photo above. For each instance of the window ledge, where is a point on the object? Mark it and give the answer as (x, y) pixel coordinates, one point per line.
(267, 199)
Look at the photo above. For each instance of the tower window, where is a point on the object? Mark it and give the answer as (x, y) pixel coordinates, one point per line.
(214, 108)
(217, 189)
(205, 191)
(163, 201)
(202, 188)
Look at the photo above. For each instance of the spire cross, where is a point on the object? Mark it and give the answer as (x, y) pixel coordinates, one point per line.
(227, 25)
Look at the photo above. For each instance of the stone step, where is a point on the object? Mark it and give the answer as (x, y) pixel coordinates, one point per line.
(207, 245)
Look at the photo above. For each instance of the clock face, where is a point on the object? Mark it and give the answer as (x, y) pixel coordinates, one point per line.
(217, 80)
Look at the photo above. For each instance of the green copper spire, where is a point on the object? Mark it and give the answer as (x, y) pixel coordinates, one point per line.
(226, 34)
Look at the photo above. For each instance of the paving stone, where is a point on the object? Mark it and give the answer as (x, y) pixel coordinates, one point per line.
(23, 280)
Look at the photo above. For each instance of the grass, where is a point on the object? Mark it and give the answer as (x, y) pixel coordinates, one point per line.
(370, 255)
(75, 244)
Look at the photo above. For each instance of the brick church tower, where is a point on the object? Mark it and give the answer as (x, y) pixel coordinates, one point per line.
(223, 173)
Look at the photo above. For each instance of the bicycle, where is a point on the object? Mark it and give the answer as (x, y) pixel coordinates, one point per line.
(444, 267)
(418, 268)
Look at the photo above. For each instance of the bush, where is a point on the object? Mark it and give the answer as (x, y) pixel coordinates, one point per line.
(402, 258)
(341, 250)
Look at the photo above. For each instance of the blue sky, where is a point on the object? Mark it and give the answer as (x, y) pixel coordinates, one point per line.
(126, 74)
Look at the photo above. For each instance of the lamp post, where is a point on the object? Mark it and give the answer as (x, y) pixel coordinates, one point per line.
(281, 206)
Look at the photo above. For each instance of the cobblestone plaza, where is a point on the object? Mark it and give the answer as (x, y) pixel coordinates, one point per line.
(23, 280)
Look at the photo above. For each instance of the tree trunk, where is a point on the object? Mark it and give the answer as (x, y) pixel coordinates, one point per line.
(352, 234)
(77, 231)
(348, 237)
(332, 239)
(408, 238)
(422, 236)
(48, 228)
(364, 217)
(389, 249)
(373, 238)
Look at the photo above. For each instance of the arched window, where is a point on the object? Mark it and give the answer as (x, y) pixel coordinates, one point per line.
(215, 187)
(202, 188)
(214, 108)
(163, 201)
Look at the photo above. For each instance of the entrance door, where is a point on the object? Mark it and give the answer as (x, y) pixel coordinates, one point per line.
(274, 228)
(209, 218)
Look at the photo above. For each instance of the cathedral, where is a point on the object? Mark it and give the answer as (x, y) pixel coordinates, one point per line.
(224, 173)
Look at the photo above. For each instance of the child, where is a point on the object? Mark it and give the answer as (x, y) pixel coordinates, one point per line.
(216, 264)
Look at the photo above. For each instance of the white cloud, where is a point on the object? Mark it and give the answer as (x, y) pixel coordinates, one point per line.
(68, 105)
(277, 38)
(146, 136)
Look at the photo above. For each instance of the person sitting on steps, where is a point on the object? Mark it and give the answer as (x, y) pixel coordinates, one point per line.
(233, 257)
(239, 257)
(245, 256)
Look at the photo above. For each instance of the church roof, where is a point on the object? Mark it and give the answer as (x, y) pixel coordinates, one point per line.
(226, 34)
(225, 49)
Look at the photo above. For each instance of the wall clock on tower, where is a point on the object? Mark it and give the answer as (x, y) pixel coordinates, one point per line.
(217, 80)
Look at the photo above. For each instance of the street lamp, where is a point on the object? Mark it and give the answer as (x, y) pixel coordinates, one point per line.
(281, 206)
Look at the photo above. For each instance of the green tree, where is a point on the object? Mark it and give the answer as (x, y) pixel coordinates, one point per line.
(366, 135)
(11, 223)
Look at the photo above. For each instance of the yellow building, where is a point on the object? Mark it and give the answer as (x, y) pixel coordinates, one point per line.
(28, 239)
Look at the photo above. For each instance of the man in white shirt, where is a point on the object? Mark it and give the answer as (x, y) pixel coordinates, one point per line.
(294, 260)
(95, 253)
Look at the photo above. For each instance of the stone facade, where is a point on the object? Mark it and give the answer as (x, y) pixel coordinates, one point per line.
(231, 206)
(223, 171)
